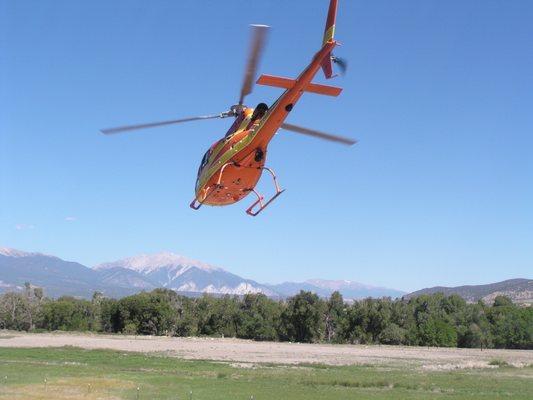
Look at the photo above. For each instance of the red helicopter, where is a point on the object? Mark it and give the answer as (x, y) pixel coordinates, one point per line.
(231, 168)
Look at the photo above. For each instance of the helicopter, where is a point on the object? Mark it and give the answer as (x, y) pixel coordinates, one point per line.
(232, 166)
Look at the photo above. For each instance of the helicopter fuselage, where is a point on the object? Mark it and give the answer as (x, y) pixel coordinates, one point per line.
(232, 167)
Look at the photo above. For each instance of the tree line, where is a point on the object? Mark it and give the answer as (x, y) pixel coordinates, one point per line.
(426, 320)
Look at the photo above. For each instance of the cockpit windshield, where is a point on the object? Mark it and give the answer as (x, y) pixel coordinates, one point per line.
(204, 162)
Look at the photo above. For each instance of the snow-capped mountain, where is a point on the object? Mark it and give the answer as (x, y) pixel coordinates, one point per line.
(338, 284)
(349, 289)
(148, 263)
(173, 271)
(355, 290)
(125, 278)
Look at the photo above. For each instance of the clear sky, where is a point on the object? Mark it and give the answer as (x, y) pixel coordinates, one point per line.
(438, 191)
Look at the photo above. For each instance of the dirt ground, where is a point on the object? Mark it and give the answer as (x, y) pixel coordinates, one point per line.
(246, 352)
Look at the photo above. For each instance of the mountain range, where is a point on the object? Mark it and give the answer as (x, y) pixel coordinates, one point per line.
(518, 290)
(146, 272)
(190, 277)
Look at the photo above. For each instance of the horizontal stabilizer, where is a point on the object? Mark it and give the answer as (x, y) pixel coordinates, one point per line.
(287, 83)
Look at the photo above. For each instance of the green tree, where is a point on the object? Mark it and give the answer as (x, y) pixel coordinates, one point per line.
(379, 315)
(109, 316)
(14, 312)
(502, 301)
(303, 318)
(355, 326)
(149, 313)
(437, 332)
(260, 318)
(392, 334)
(334, 316)
(474, 329)
(511, 326)
(68, 314)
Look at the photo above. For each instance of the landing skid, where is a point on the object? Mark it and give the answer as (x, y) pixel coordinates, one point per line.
(260, 198)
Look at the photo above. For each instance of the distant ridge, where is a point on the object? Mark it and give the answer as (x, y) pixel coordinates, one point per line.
(518, 290)
(57, 276)
(9, 252)
(350, 290)
(146, 272)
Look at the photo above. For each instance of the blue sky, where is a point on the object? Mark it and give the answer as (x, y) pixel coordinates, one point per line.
(439, 189)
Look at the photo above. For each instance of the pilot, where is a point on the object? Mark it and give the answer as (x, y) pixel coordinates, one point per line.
(259, 112)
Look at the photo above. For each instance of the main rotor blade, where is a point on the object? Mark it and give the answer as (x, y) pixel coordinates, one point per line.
(126, 128)
(318, 134)
(259, 33)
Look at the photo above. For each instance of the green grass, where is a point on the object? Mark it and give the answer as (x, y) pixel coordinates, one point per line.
(90, 374)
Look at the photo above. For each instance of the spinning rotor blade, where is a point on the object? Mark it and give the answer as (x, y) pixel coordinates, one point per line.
(259, 33)
(318, 134)
(342, 63)
(120, 129)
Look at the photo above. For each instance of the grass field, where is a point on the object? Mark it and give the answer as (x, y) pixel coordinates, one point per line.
(72, 373)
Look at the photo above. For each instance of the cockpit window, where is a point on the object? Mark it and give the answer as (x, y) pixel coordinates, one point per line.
(234, 126)
(205, 160)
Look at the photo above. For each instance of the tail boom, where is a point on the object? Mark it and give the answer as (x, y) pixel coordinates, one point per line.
(279, 111)
(329, 34)
(329, 31)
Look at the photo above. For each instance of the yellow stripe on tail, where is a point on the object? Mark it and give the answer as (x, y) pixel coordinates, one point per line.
(329, 34)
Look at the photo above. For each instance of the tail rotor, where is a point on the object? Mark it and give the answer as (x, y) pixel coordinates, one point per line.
(341, 62)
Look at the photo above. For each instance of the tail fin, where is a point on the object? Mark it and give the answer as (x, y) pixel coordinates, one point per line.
(329, 33)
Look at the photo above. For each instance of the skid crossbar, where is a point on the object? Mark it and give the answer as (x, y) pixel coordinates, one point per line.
(260, 198)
